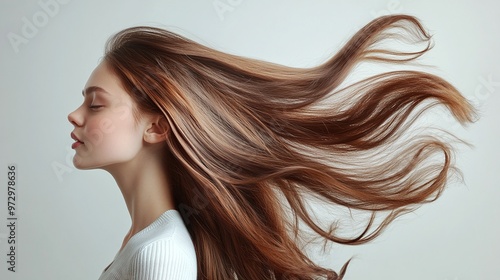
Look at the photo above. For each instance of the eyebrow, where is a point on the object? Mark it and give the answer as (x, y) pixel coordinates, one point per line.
(93, 89)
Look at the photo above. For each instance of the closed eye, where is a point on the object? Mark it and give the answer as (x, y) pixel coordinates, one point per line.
(95, 107)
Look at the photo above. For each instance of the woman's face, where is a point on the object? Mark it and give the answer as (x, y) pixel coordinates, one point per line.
(105, 132)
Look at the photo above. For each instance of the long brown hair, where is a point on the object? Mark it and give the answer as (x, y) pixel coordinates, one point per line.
(249, 140)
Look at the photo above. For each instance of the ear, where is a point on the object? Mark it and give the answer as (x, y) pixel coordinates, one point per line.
(157, 130)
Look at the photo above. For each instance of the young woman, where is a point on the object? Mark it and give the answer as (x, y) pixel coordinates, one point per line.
(235, 145)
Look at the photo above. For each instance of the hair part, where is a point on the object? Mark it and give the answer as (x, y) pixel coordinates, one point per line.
(249, 139)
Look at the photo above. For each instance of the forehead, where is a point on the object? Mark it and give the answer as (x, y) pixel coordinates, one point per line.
(103, 80)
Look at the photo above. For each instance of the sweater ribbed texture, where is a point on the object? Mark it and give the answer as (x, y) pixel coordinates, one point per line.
(162, 250)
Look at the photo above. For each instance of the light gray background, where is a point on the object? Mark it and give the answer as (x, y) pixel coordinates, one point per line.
(71, 222)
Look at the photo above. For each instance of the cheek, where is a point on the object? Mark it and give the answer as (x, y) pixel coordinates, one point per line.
(124, 138)
(97, 130)
(113, 134)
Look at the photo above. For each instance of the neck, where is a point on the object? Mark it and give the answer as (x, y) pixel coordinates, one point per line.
(145, 187)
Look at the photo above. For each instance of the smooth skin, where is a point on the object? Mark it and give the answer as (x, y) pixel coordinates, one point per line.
(131, 151)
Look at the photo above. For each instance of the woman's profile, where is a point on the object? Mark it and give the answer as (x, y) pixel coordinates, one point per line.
(216, 154)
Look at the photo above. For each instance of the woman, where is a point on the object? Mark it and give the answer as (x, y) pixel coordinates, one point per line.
(234, 145)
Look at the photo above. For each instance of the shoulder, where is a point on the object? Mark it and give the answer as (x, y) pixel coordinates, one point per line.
(168, 254)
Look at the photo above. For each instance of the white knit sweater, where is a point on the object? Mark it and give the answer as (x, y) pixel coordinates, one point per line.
(162, 250)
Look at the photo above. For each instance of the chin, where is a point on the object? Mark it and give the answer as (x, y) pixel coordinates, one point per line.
(79, 164)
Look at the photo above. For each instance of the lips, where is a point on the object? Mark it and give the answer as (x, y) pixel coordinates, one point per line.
(77, 143)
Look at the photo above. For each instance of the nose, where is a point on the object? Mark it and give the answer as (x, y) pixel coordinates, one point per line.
(75, 118)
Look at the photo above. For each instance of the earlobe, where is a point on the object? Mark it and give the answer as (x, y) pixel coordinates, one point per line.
(157, 130)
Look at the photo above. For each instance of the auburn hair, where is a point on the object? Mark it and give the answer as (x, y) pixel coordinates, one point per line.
(250, 141)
